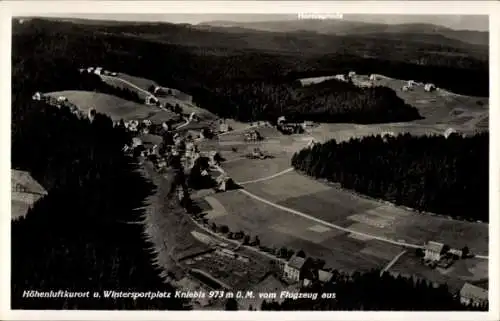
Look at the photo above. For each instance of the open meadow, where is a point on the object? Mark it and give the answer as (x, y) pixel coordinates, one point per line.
(116, 108)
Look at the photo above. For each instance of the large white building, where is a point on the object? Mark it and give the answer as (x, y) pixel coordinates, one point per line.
(434, 251)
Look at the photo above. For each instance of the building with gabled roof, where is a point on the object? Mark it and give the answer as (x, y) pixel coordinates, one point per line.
(25, 191)
(434, 251)
(294, 268)
(473, 295)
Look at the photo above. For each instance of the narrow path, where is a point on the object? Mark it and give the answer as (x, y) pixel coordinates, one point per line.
(393, 261)
(147, 93)
(288, 170)
(307, 216)
(312, 218)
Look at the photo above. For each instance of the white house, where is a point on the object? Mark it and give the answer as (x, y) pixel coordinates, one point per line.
(98, 70)
(340, 77)
(37, 96)
(351, 74)
(62, 99)
(474, 295)
(151, 100)
(448, 132)
(223, 128)
(411, 83)
(90, 69)
(434, 251)
(429, 87)
(294, 267)
(405, 88)
(373, 77)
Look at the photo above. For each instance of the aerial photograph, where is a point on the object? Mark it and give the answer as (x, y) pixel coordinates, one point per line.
(250, 162)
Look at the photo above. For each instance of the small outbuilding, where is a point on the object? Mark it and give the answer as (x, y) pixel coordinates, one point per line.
(429, 87)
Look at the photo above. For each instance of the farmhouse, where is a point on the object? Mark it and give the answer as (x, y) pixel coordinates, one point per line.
(341, 77)
(151, 100)
(429, 87)
(294, 268)
(281, 120)
(474, 295)
(449, 132)
(434, 251)
(253, 136)
(37, 96)
(411, 83)
(98, 71)
(25, 191)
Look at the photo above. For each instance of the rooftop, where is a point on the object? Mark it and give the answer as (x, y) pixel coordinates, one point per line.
(434, 246)
(324, 276)
(473, 292)
(296, 262)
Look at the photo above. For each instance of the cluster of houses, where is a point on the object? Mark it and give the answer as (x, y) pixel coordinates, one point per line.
(410, 84)
(97, 71)
(305, 271)
(287, 127)
(441, 255)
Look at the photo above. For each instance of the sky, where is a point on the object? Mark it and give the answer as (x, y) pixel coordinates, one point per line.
(458, 22)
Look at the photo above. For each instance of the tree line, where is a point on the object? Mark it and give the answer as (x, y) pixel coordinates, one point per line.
(83, 235)
(429, 173)
(330, 101)
(371, 291)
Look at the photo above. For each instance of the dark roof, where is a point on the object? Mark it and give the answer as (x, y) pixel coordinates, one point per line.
(296, 262)
(473, 292)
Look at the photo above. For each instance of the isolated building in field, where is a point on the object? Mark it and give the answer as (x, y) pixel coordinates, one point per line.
(91, 114)
(37, 96)
(411, 83)
(429, 87)
(223, 128)
(473, 295)
(341, 77)
(449, 132)
(151, 100)
(434, 251)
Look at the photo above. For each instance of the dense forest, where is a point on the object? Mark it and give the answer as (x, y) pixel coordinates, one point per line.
(371, 292)
(329, 101)
(82, 236)
(429, 173)
(205, 65)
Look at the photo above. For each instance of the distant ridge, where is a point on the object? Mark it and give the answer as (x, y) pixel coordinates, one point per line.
(344, 27)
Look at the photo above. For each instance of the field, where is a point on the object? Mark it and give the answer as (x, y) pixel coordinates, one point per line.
(469, 270)
(144, 84)
(351, 211)
(114, 107)
(276, 228)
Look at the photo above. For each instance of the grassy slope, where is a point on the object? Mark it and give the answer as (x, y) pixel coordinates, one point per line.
(114, 107)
